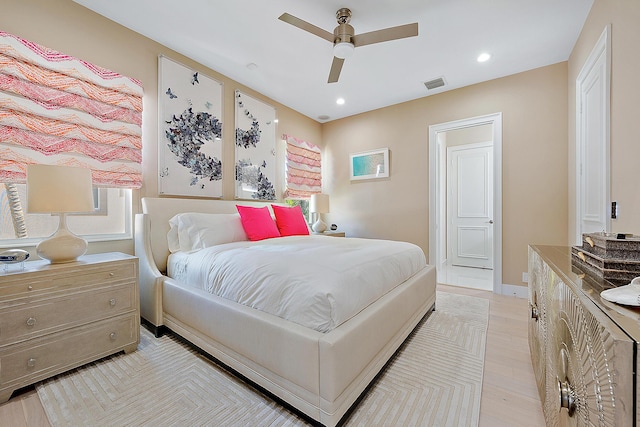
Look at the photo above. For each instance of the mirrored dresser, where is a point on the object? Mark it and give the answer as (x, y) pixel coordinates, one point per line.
(584, 349)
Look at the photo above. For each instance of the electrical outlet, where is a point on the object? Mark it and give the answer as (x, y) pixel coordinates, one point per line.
(525, 277)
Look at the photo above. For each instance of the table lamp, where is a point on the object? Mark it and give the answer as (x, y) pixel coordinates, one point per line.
(59, 190)
(319, 204)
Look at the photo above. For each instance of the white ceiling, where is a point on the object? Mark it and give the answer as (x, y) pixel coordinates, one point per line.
(293, 65)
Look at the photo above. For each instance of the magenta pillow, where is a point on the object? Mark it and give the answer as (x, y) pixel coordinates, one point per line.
(257, 223)
(290, 220)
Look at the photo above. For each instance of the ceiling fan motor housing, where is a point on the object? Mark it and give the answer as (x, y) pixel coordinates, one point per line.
(343, 32)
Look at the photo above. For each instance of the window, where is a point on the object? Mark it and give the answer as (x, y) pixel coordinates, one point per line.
(304, 205)
(111, 219)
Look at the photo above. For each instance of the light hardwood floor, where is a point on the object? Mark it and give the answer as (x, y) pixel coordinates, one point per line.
(509, 394)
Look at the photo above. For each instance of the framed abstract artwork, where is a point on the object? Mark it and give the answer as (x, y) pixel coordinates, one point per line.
(190, 131)
(255, 148)
(369, 164)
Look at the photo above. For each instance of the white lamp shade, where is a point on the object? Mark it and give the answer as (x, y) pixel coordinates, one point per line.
(58, 189)
(319, 203)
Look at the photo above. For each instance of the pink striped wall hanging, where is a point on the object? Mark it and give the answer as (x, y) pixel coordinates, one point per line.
(57, 109)
(304, 168)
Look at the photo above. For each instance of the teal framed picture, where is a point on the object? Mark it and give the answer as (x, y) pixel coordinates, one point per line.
(369, 164)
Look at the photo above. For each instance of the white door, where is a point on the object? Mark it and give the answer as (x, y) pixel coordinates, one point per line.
(592, 142)
(470, 205)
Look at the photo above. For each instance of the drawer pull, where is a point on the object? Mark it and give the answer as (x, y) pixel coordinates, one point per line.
(31, 321)
(31, 362)
(112, 274)
(113, 336)
(535, 314)
(30, 287)
(112, 302)
(567, 396)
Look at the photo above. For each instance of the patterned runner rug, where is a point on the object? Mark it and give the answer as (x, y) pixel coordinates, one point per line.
(434, 380)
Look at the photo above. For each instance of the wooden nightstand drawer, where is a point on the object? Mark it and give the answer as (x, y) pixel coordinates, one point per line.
(103, 275)
(43, 357)
(40, 277)
(28, 318)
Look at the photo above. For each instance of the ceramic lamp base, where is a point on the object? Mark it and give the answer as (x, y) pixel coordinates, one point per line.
(319, 226)
(63, 246)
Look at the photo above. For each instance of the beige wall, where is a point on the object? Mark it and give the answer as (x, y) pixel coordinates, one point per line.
(533, 104)
(470, 135)
(624, 18)
(74, 30)
(534, 113)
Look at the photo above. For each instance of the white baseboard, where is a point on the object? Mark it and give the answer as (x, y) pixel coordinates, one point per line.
(514, 290)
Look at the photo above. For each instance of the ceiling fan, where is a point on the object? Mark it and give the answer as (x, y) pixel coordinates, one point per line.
(344, 38)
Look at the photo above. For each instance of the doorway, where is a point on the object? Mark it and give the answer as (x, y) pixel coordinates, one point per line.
(465, 203)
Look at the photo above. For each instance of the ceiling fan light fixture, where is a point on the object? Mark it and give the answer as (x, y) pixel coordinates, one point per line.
(343, 49)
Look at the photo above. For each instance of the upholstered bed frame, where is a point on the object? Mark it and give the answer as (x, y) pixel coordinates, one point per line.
(320, 374)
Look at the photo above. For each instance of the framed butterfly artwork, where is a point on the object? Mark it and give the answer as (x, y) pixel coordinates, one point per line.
(256, 166)
(190, 131)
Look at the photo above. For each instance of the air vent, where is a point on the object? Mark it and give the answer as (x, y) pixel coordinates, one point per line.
(435, 83)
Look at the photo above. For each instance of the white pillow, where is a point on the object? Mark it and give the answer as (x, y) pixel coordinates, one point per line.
(172, 236)
(201, 230)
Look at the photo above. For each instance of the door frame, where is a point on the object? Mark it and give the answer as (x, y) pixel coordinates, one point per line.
(437, 194)
(602, 48)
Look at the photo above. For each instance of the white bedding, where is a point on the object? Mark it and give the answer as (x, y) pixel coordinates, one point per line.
(315, 281)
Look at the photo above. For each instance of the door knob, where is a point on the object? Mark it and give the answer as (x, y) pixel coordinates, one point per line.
(535, 314)
(490, 221)
(567, 395)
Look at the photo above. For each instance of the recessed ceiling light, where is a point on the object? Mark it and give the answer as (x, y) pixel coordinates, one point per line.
(484, 57)
(340, 101)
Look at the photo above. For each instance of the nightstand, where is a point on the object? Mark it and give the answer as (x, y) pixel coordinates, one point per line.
(334, 233)
(55, 317)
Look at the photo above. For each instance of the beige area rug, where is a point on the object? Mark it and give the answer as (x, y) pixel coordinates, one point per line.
(434, 380)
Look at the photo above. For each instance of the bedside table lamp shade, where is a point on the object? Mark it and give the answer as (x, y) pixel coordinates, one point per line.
(59, 190)
(319, 204)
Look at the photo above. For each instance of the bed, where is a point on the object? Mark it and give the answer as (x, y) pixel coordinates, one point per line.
(320, 371)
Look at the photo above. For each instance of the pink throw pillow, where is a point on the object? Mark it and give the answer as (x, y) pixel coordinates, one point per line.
(257, 223)
(290, 221)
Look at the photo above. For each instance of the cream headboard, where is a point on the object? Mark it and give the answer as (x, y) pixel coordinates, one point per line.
(160, 210)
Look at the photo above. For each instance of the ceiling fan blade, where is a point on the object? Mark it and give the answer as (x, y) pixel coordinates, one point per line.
(393, 33)
(336, 67)
(304, 25)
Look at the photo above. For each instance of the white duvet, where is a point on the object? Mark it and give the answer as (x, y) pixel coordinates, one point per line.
(315, 281)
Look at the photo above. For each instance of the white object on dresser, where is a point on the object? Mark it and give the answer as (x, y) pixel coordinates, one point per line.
(55, 317)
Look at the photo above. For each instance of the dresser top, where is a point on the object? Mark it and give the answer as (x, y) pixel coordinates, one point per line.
(560, 260)
(44, 265)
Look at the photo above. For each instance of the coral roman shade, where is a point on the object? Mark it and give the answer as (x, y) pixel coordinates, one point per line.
(56, 109)
(303, 169)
